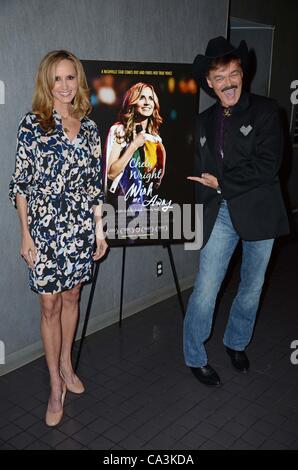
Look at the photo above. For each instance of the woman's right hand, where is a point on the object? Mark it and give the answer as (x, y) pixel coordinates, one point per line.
(28, 250)
(139, 140)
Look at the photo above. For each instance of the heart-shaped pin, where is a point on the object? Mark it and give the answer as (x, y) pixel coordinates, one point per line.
(245, 129)
(202, 141)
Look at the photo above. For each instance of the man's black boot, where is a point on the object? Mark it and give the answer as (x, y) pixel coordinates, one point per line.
(239, 360)
(206, 375)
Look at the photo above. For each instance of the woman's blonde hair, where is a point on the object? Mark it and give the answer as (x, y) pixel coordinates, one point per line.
(43, 101)
(127, 114)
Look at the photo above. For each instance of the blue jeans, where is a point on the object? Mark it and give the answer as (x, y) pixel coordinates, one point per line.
(214, 261)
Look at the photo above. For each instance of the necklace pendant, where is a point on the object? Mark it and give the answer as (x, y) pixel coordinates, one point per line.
(227, 112)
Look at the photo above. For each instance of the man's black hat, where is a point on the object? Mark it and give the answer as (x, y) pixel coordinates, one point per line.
(216, 48)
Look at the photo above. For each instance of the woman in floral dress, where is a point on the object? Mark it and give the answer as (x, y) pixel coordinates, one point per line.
(57, 189)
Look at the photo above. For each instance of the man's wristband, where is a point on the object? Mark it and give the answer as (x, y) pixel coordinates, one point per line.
(218, 190)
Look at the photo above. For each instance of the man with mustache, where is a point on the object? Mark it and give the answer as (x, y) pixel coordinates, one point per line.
(238, 155)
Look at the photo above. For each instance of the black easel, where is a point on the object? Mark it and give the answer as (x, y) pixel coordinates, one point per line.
(87, 314)
(94, 281)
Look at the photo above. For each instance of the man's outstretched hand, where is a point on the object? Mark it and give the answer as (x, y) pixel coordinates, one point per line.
(206, 179)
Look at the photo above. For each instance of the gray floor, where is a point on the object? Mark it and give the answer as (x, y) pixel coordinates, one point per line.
(141, 396)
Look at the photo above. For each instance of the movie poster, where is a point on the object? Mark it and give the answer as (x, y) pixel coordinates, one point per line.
(145, 114)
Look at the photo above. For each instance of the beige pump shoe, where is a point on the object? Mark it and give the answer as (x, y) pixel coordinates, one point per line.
(77, 387)
(54, 418)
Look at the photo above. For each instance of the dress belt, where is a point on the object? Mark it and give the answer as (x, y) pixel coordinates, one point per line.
(66, 192)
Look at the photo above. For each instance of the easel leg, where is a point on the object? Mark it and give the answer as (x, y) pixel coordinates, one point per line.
(87, 314)
(122, 286)
(176, 279)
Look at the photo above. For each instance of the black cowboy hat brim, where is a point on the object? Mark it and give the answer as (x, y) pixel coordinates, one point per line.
(202, 63)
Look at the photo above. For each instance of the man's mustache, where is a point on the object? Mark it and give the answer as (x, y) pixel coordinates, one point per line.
(229, 88)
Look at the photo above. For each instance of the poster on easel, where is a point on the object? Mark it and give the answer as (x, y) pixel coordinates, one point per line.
(145, 114)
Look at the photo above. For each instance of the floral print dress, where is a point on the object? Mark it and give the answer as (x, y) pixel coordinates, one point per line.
(61, 181)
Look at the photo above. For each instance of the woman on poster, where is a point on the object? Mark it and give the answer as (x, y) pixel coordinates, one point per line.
(135, 155)
(57, 190)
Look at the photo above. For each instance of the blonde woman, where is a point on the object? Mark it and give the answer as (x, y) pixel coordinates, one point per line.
(135, 155)
(57, 190)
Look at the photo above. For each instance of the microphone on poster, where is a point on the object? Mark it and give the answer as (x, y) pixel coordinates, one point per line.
(139, 129)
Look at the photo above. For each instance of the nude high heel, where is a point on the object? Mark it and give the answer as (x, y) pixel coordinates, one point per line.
(54, 418)
(77, 387)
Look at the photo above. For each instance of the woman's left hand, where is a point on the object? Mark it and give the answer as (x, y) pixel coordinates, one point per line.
(101, 248)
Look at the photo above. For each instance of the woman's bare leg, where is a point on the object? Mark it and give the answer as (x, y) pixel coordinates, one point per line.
(51, 306)
(69, 319)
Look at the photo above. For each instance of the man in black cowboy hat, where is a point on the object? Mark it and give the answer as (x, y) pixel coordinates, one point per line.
(238, 155)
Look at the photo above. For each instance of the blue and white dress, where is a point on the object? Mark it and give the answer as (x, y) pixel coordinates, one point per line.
(61, 181)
